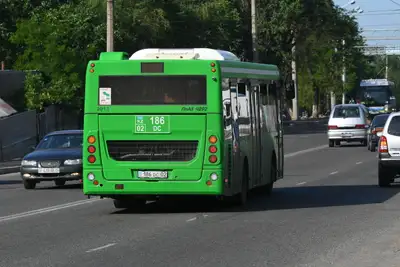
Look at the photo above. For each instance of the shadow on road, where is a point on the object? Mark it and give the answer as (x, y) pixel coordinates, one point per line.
(9, 182)
(67, 186)
(281, 199)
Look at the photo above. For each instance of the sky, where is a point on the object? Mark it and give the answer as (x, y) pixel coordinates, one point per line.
(377, 14)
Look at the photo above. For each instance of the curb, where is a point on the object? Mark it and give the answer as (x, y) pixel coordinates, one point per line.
(11, 169)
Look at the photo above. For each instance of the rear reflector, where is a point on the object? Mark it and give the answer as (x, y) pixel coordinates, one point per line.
(332, 127)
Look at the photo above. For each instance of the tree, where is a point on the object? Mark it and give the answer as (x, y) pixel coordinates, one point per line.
(58, 42)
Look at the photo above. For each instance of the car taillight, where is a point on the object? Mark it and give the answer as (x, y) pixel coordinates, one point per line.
(360, 126)
(373, 131)
(383, 146)
(332, 127)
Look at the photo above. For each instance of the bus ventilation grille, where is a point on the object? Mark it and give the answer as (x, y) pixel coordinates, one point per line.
(152, 150)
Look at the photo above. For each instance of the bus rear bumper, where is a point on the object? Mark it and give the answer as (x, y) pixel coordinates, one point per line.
(107, 188)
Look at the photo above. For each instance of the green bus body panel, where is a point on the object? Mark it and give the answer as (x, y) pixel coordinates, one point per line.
(183, 127)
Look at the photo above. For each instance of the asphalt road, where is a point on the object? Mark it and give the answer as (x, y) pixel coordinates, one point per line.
(327, 211)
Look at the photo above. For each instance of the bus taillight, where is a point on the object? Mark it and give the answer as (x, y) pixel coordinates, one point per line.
(91, 149)
(91, 139)
(212, 139)
(92, 159)
(212, 159)
(212, 149)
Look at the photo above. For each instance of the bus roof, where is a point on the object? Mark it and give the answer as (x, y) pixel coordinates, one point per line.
(231, 65)
(184, 53)
(376, 82)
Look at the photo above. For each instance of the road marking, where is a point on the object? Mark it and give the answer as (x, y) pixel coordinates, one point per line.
(46, 210)
(293, 154)
(332, 173)
(301, 183)
(191, 219)
(359, 162)
(102, 247)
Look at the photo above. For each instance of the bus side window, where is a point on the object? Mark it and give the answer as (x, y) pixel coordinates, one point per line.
(263, 94)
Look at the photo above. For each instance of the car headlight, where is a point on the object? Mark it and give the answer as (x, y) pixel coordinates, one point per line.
(73, 162)
(32, 163)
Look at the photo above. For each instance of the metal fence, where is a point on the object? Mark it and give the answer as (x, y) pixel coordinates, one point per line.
(20, 132)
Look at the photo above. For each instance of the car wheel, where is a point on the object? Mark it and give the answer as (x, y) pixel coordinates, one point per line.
(331, 143)
(29, 184)
(59, 183)
(337, 143)
(383, 176)
(373, 148)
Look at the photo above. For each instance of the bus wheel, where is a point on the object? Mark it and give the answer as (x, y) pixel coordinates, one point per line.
(269, 186)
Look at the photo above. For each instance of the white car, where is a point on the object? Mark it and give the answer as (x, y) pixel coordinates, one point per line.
(348, 122)
(389, 150)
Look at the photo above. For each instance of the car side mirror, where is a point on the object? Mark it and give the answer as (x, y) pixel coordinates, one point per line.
(379, 134)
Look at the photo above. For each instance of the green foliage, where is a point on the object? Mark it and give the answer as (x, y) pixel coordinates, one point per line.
(58, 42)
(59, 37)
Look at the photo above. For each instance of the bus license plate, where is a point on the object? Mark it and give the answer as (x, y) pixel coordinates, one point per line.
(49, 170)
(152, 124)
(153, 174)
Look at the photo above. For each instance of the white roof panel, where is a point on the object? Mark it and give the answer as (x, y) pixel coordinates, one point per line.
(184, 53)
(375, 82)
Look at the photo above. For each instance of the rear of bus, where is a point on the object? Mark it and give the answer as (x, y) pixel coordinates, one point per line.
(152, 127)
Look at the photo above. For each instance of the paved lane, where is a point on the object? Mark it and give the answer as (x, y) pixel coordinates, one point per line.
(327, 209)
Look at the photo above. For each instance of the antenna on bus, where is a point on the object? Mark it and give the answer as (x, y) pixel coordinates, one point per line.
(184, 53)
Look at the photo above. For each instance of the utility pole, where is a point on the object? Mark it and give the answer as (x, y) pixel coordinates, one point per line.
(254, 31)
(386, 66)
(110, 26)
(344, 75)
(295, 113)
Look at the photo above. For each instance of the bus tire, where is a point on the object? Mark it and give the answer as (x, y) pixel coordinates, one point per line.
(273, 178)
(241, 198)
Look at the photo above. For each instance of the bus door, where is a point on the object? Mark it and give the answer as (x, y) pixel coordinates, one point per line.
(255, 135)
(279, 128)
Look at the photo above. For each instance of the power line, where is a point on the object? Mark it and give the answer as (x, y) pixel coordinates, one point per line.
(379, 14)
(394, 2)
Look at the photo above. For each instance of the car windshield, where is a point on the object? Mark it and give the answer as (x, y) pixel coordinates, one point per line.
(60, 141)
(394, 126)
(346, 112)
(379, 121)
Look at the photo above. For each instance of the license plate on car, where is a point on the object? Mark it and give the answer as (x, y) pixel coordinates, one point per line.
(49, 170)
(153, 174)
(347, 134)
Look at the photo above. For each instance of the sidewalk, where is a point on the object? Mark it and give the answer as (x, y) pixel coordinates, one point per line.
(9, 166)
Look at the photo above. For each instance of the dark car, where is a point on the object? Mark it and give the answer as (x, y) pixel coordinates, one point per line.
(376, 126)
(57, 157)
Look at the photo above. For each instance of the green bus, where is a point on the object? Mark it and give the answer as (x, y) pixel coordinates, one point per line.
(176, 122)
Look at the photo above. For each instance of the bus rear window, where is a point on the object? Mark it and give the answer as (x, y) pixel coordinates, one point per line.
(156, 90)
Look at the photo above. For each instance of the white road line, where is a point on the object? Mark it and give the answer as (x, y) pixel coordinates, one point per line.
(301, 183)
(332, 173)
(102, 247)
(293, 154)
(358, 162)
(46, 210)
(191, 219)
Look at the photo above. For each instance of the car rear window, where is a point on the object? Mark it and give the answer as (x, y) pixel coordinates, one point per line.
(379, 121)
(346, 112)
(394, 126)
